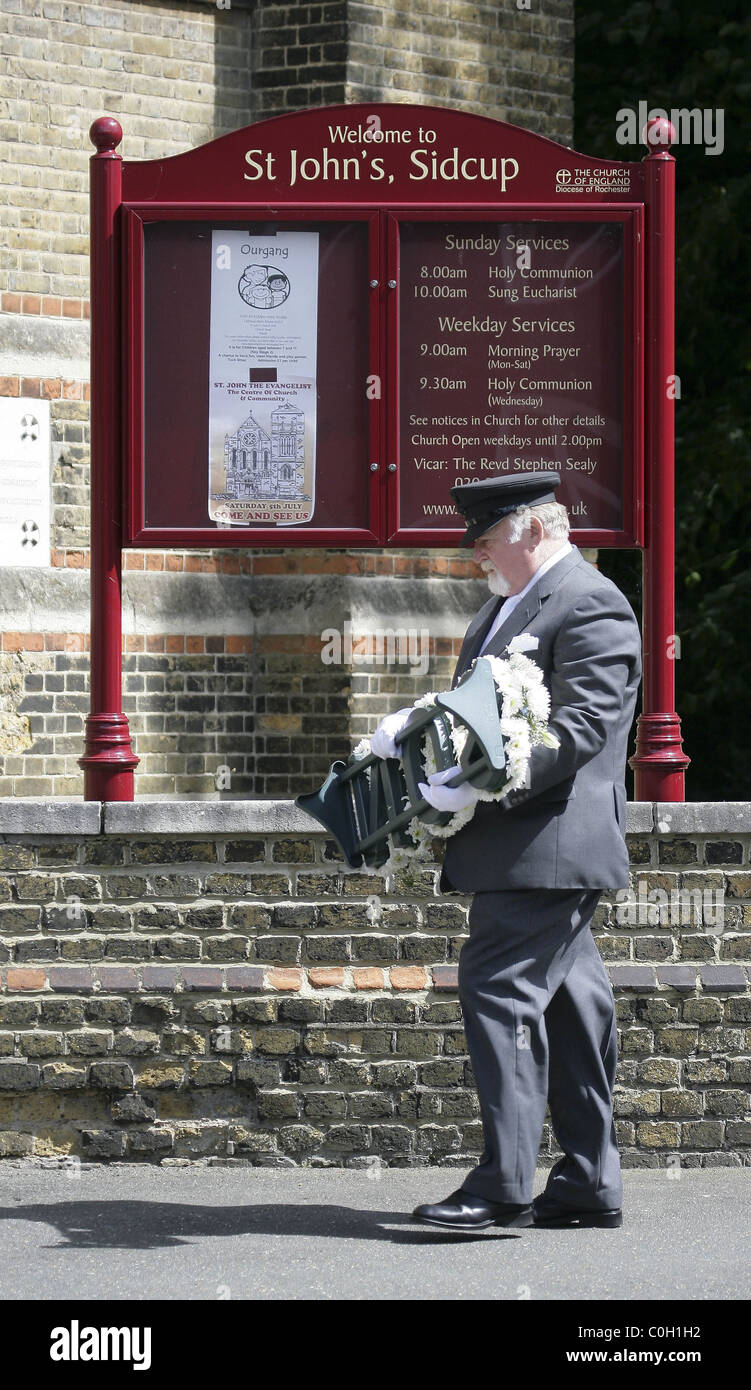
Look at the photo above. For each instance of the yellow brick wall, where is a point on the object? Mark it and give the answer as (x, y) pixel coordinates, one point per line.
(174, 75)
(498, 60)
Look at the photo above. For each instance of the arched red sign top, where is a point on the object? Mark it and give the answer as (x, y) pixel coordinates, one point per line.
(386, 154)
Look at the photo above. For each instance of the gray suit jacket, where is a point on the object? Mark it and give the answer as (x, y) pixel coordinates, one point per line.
(567, 828)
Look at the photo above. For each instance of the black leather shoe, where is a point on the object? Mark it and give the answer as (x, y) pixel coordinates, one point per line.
(465, 1211)
(548, 1212)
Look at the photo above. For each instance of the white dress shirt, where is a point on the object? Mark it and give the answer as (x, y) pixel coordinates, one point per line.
(510, 603)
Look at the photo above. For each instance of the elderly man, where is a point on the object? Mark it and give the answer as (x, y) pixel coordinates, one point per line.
(537, 1003)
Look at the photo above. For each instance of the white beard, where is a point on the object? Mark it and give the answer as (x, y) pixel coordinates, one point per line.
(496, 582)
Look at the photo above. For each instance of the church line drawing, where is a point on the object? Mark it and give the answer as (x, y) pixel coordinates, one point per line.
(267, 465)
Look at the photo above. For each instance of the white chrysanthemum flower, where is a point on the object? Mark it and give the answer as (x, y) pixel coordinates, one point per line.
(429, 763)
(459, 736)
(511, 727)
(459, 818)
(538, 700)
(502, 672)
(513, 702)
(425, 700)
(520, 743)
(523, 666)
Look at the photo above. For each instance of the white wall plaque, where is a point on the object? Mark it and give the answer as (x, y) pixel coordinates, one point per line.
(24, 481)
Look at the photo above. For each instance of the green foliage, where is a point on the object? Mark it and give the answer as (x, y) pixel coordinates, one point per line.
(674, 55)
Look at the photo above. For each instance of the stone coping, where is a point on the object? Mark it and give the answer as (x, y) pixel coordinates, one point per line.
(71, 816)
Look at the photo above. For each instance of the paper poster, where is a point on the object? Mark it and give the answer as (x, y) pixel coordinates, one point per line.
(262, 388)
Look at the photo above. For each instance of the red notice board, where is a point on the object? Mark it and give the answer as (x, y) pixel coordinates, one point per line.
(409, 297)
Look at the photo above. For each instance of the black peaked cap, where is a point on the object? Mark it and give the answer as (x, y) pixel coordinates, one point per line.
(485, 501)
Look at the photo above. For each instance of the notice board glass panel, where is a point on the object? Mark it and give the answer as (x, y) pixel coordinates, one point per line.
(177, 289)
(511, 360)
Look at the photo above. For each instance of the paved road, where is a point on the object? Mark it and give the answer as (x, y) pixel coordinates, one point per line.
(131, 1231)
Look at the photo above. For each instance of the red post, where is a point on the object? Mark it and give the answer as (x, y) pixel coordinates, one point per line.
(659, 762)
(108, 760)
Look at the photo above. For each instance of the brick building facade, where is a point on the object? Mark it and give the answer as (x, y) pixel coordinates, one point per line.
(224, 684)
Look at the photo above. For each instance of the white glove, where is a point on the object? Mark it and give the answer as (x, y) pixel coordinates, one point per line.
(448, 798)
(382, 741)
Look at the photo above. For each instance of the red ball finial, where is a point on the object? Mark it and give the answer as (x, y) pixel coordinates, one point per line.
(659, 133)
(106, 133)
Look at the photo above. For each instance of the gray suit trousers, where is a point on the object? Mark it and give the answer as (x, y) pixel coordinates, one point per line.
(540, 1023)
